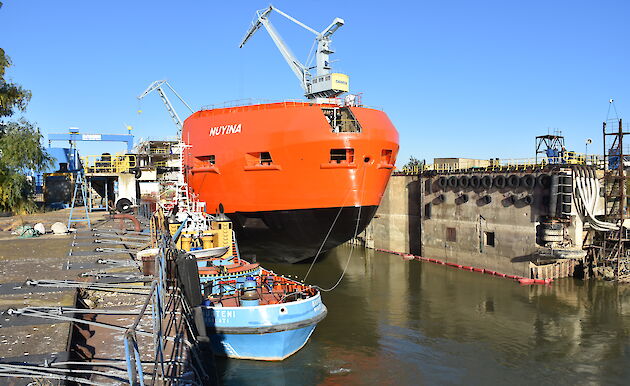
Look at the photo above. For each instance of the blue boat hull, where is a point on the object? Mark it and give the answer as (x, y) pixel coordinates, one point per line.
(268, 332)
(273, 346)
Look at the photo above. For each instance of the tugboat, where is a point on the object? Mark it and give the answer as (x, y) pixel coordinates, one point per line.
(248, 312)
(262, 317)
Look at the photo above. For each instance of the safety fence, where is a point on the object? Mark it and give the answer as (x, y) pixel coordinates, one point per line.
(263, 104)
(106, 163)
(174, 350)
(498, 165)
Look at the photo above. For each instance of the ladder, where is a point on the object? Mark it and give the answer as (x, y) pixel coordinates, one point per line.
(80, 181)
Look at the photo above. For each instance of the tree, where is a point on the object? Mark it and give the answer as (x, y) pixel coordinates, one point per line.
(12, 96)
(20, 151)
(20, 145)
(413, 164)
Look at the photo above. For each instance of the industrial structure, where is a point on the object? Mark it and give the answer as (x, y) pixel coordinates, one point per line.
(612, 248)
(324, 84)
(557, 215)
(157, 86)
(108, 181)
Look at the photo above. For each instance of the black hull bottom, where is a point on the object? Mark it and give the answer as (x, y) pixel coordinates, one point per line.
(291, 236)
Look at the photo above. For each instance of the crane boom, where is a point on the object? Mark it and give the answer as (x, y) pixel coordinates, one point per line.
(325, 84)
(298, 68)
(157, 86)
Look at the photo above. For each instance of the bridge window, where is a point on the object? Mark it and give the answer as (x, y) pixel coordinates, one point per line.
(341, 156)
(258, 158)
(386, 156)
(265, 158)
(208, 160)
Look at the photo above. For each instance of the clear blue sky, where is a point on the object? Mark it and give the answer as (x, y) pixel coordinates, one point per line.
(472, 79)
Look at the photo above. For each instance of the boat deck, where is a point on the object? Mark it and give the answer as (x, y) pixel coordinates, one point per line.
(280, 293)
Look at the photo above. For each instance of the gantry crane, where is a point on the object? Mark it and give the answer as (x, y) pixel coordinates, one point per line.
(324, 84)
(157, 86)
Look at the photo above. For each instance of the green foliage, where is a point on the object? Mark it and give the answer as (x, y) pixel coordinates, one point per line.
(14, 192)
(12, 96)
(21, 149)
(413, 163)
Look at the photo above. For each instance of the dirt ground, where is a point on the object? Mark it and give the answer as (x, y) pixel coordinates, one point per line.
(9, 224)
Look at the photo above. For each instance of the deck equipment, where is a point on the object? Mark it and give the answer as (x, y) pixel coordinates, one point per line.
(324, 84)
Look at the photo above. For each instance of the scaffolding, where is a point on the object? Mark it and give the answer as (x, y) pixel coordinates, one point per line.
(616, 243)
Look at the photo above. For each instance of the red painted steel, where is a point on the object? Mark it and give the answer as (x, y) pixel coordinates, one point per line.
(299, 140)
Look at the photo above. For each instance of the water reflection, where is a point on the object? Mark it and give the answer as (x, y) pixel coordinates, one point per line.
(393, 321)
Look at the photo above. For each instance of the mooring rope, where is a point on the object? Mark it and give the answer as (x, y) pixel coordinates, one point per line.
(131, 289)
(356, 231)
(327, 234)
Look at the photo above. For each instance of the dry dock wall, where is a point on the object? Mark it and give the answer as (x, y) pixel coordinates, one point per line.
(492, 228)
(396, 225)
(499, 235)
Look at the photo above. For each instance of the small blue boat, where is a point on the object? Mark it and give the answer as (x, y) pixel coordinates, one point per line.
(263, 316)
(247, 311)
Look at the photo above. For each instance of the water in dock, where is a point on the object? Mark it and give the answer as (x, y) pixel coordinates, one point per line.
(393, 321)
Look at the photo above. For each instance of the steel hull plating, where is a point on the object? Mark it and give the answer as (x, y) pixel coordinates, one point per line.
(295, 235)
(265, 161)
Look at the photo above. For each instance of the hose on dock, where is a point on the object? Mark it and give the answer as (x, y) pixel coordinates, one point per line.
(587, 195)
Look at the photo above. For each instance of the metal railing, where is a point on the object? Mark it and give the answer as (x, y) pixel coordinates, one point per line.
(265, 103)
(160, 150)
(507, 164)
(117, 163)
(156, 295)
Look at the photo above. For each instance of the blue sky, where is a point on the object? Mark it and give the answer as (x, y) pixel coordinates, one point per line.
(458, 78)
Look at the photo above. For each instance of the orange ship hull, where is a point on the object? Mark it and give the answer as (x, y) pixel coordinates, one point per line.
(288, 172)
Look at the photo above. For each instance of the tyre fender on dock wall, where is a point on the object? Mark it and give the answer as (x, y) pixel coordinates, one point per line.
(452, 182)
(486, 182)
(527, 200)
(499, 181)
(464, 182)
(462, 199)
(485, 200)
(513, 181)
(527, 181)
(475, 182)
(544, 180)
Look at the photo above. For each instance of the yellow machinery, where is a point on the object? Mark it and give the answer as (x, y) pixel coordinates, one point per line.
(105, 163)
(220, 234)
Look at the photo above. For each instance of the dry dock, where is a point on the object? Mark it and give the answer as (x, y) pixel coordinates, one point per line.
(518, 222)
(73, 309)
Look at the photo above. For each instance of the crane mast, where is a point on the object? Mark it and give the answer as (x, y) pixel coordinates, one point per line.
(324, 84)
(157, 86)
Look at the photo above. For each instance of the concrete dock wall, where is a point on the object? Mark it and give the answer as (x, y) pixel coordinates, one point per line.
(488, 227)
(396, 225)
(499, 235)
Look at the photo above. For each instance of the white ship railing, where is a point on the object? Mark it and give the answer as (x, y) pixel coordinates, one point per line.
(264, 102)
